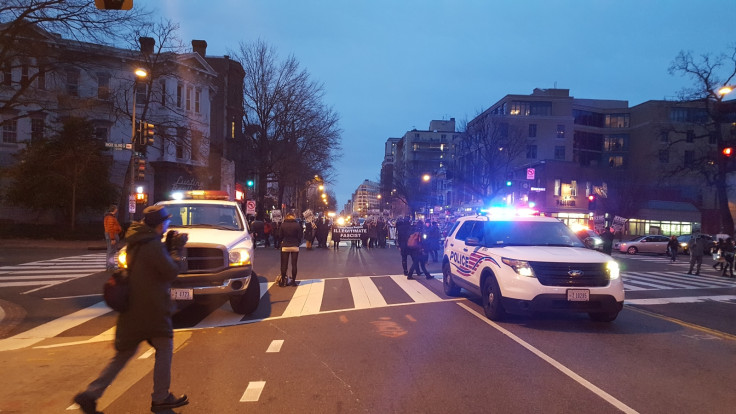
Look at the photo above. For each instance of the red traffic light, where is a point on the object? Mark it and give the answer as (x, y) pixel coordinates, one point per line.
(728, 151)
(591, 197)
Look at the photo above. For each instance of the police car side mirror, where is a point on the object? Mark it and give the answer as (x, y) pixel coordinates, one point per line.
(472, 241)
(589, 242)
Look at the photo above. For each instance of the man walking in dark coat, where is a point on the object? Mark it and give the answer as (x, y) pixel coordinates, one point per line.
(152, 266)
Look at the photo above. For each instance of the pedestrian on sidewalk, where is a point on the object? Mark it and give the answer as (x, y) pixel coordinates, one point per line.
(112, 235)
(152, 266)
(696, 245)
(291, 235)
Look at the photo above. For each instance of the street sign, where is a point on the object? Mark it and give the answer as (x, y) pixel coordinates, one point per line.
(131, 204)
(118, 146)
(530, 173)
(250, 207)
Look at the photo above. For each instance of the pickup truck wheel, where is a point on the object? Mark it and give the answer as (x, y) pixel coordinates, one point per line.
(451, 289)
(603, 316)
(492, 300)
(247, 302)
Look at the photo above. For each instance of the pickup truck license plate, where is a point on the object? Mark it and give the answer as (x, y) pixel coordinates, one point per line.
(187, 294)
(578, 295)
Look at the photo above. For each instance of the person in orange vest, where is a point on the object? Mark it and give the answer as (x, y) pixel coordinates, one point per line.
(112, 235)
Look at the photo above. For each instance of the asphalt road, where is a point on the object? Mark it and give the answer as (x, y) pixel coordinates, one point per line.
(408, 349)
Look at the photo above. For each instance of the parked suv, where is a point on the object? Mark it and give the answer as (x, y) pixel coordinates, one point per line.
(524, 264)
(219, 250)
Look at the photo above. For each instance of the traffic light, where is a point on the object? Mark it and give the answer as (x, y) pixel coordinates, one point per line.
(728, 151)
(148, 130)
(140, 168)
(250, 183)
(508, 183)
(592, 201)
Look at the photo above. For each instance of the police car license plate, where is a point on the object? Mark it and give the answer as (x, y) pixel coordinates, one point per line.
(578, 295)
(182, 294)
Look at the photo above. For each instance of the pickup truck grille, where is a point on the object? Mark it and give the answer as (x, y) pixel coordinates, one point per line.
(571, 274)
(205, 259)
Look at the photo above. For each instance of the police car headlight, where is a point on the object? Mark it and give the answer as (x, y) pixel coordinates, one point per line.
(521, 267)
(123, 258)
(239, 257)
(613, 270)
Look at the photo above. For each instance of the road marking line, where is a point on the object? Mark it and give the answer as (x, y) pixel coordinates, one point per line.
(275, 346)
(684, 299)
(416, 290)
(53, 328)
(224, 315)
(565, 370)
(307, 299)
(148, 353)
(253, 392)
(365, 293)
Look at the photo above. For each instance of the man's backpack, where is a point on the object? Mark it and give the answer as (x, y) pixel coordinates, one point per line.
(415, 241)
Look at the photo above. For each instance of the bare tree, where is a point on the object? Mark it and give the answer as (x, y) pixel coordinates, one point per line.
(709, 73)
(488, 149)
(28, 31)
(293, 135)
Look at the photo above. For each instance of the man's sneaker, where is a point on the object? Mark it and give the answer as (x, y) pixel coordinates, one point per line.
(86, 403)
(169, 403)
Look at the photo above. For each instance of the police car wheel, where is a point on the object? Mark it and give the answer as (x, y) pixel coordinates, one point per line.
(450, 288)
(492, 299)
(247, 303)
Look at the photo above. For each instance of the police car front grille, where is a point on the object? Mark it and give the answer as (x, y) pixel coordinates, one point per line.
(571, 274)
(205, 259)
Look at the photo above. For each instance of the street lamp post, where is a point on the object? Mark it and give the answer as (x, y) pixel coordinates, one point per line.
(139, 74)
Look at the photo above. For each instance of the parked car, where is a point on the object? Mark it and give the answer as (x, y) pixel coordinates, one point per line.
(711, 242)
(645, 244)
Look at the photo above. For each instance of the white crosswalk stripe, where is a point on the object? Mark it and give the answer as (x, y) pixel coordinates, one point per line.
(45, 273)
(673, 280)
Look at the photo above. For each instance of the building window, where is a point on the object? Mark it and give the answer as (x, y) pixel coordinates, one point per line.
(573, 188)
(37, 128)
(72, 82)
(532, 130)
(189, 98)
(24, 75)
(10, 131)
(196, 145)
(557, 186)
(178, 94)
(615, 161)
(41, 79)
(7, 74)
(140, 93)
(664, 156)
(232, 129)
(614, 142)
(690, 137)
(560, 152)
(617, 121)
(103, 86)
(197, 93)
(531, 152)
(560, 131)
(101, 133)
(181, 136)
(689, 158)
(163, 92)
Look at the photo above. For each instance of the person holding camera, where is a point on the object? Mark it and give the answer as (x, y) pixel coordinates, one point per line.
(152, 267)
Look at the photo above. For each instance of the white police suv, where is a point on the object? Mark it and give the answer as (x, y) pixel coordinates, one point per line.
(529, 263)
(219, 250)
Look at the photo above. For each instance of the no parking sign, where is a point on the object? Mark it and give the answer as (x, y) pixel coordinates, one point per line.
(250, 207)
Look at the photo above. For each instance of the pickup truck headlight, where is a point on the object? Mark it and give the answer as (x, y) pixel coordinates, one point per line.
(613, 270)
(239, 257)
(521, 267)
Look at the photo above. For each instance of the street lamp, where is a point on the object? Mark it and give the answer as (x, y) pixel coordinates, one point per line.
(140, 74)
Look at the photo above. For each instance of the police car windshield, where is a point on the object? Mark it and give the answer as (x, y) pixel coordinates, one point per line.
(529, 233)
(205, 215)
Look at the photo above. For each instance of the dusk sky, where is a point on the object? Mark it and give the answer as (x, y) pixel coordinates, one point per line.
(389, 66)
